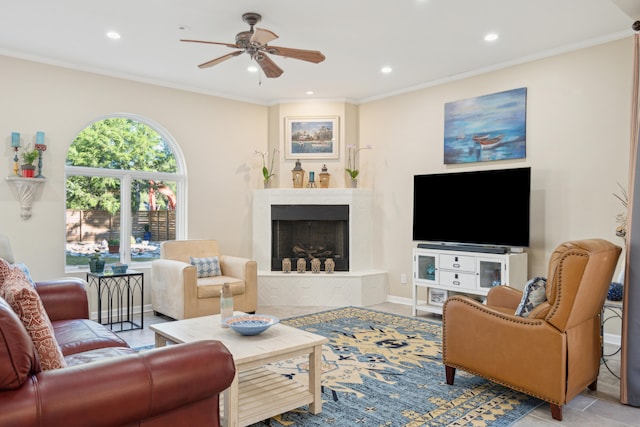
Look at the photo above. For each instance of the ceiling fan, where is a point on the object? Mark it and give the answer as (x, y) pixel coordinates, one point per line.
(254, 42)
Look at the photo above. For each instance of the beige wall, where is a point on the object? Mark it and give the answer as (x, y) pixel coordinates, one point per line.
(577, 145)
(217, 137)
(578, 110)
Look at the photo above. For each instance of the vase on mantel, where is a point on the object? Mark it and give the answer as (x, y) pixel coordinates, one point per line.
(267, 183)
(353, 182)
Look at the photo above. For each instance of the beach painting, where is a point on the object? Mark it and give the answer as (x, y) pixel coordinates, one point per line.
(486, 128)
(311, 137)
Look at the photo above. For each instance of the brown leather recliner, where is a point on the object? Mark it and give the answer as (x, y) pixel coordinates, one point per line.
(554, 354)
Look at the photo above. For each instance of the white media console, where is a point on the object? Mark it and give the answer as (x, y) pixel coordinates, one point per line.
(441, 272)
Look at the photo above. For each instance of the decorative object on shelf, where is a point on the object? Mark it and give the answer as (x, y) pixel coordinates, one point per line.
(96, 263)
(250, 324)
(267, 173)
(352, 162)
(353, 183)
(119, 268)
(28, 157)
(301, 265)
(621, 218)
(298, 175)
(286, 265)
(312, 180)
(311, 137)
(615, 291)
(315, 265)
(15, 144)
(26, 189)
(324, 177)
(329, 265)
(40, 146)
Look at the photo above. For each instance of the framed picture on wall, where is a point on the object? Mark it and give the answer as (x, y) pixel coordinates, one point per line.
(311, 137)
(486, 128)
(437, 296)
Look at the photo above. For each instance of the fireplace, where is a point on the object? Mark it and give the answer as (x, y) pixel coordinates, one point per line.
(342, 216)
(310, 231)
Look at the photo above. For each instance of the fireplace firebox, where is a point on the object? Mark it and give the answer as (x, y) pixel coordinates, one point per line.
(310, 231)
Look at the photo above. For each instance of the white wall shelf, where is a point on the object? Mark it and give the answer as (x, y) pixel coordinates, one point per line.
(26, 189)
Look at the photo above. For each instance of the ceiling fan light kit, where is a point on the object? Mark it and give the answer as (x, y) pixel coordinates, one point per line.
(254, 42)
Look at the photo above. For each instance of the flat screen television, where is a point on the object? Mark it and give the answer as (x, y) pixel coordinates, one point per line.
(483, 208)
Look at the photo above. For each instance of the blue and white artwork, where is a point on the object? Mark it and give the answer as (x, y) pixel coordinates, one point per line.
(486, 128)
(311, 138)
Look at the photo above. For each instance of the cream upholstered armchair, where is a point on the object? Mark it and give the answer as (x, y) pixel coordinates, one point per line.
(178, 292)
(554, 353)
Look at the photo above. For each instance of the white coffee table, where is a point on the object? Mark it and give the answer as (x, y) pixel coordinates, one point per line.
(256, 392)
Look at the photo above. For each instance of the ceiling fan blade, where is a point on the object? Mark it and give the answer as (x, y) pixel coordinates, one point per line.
(304, 55)
(235, 46)
(262, 36)
(220, 59)
(269, 67)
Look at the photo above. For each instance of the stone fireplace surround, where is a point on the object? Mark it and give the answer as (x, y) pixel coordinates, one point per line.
(362, 285)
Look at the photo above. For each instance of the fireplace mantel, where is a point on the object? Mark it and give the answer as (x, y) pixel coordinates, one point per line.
(363, 284)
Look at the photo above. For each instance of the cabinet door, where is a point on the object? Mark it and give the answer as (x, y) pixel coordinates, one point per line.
(491, 272)
(427, 267)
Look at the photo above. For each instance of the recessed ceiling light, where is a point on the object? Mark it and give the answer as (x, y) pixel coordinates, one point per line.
(386, 70)
(309, 92)
(113, 35)
(252, 69)
(491, 37)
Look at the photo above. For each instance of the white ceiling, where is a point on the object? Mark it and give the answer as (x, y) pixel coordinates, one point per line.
(424, 41)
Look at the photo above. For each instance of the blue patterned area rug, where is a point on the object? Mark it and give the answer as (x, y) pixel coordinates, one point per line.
(382, 369)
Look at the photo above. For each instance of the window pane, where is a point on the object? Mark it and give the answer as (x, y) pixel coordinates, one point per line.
(121, 143)
(93, 219)
(154, 217)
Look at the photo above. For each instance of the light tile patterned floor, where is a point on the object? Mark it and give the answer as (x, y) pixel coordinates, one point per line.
(597, 409)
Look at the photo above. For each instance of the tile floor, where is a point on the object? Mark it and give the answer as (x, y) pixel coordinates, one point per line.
(597, 409)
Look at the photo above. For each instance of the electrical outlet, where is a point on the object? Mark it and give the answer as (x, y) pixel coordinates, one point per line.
(403, 278)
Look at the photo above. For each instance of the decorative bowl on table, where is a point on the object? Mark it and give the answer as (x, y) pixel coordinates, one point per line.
(119, 268)
(251, 324)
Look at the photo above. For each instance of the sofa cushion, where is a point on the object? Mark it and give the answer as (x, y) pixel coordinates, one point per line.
(79, 335)
(534, 294)
(206, 267)
(210, 287)
(26, 303)
(17, 352)
(97, 355)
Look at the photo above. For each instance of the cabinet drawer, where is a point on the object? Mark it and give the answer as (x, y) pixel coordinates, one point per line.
(458, 280)
(457, 262)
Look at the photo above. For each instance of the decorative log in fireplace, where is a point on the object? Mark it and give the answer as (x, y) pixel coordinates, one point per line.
(310, 231)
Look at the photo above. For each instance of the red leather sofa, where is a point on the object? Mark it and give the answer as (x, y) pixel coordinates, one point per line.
(106, 383)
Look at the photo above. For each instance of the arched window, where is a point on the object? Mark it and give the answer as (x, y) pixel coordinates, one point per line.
(125, 192)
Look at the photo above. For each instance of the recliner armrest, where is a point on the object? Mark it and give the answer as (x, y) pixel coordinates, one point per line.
(504, 297)
(64, 298)
(124, 390)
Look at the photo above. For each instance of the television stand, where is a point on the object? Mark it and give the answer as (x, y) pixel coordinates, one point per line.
(465, 248)
(440, 271)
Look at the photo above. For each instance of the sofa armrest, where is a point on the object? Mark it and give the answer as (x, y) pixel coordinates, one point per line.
(64, 298)
(244, 269)
(124, 390)
(172, 283)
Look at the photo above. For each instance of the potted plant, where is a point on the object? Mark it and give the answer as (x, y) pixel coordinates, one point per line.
(114, 246)
(267, 173)
(28, 168)
(96, 263)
